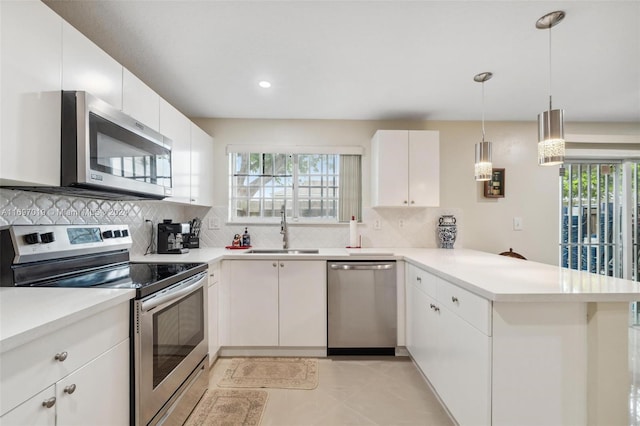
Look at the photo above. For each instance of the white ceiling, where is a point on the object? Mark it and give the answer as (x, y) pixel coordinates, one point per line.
(374, 59)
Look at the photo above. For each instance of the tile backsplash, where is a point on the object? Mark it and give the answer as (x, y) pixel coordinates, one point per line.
(398, 227)
(27, 207)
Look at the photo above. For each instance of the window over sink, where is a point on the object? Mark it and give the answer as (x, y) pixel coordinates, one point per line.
(314, 187)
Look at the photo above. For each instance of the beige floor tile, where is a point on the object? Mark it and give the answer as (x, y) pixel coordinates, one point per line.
(353, 391)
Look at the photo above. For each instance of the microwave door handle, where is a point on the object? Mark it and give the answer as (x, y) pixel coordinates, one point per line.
(176, 293)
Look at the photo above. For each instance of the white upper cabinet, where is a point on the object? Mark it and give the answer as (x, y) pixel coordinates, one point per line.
(177, 127)
(201, 167)
(405, 168)
(30, 65)
(140, 101)
(88, 68)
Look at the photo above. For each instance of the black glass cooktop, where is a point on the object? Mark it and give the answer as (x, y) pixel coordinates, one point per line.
(145, 278)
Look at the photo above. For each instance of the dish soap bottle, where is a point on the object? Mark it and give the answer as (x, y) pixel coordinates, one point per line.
(246, 238)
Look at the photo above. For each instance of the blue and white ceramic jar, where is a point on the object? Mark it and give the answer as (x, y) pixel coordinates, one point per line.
(447, 231)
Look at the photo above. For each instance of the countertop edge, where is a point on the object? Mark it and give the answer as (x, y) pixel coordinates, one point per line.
(20, 338)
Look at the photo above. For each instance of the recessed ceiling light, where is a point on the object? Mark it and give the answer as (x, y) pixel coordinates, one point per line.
(264, 84)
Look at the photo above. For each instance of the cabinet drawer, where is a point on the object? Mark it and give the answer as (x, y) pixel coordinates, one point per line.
(470, 307)
(32, 411)
(28, 369)
(423, 280)
(214, 272)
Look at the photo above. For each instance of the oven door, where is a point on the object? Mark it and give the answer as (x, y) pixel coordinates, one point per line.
(170, 343)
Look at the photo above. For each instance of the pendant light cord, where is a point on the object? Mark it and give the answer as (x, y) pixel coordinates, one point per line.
(483, 111)
(550, 73)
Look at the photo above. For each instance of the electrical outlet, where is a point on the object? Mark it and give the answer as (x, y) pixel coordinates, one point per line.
(214, 223)
(517, 224)
(376, 224)
(401, 223)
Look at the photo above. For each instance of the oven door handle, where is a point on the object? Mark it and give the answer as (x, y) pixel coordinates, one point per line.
(174, 293)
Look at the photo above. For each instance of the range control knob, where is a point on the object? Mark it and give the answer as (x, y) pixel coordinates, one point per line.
(117, 233)
(47, 237)
(107, 234)
(31, 238)
(125, 232)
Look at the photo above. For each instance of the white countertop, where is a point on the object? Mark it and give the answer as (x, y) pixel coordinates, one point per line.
(497, 278)
(507, 279)
(27, 313)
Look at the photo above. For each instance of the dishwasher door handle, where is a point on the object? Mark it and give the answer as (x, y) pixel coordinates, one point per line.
(362, 267)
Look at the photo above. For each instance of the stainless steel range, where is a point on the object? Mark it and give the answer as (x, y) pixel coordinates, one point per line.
(169, 314)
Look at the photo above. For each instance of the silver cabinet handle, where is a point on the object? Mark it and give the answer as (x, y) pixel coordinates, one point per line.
(275, 264)
(70, 389)
(419, 279)
(282, 265)
(48, 403)
(437, 309)
(413, 202)
(404, 202)
(432, 306)
(454, 299)
(61, 356)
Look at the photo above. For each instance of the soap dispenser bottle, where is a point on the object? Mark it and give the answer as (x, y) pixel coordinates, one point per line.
(246, 238)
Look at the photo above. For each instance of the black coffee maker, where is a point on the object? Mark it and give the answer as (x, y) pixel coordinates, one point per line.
(173, 238)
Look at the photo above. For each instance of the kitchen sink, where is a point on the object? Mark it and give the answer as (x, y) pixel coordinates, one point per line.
(282, 251)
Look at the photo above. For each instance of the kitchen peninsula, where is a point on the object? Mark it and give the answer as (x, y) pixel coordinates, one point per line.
(501, 340)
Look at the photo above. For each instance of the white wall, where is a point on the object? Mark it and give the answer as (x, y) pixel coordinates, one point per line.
(485, 224)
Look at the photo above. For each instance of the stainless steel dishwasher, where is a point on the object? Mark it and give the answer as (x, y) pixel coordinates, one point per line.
(361, 308)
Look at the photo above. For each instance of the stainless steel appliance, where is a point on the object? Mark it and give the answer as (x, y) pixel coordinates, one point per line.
(362, 309)
(107, 154)
(169, 313)
(173, 237)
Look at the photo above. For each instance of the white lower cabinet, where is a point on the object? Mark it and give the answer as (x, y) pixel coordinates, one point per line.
(36, 411)
(454, 354)
(276, 303)
(214, 311)
(97, 393)
(77, 375)
(302, 296)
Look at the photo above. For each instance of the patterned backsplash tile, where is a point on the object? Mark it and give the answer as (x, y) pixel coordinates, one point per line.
(410, 227)
(27, 207)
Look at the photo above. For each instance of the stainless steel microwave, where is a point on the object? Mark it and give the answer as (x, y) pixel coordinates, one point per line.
(108, 154)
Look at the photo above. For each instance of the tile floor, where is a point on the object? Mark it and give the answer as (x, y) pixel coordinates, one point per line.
(387, 391)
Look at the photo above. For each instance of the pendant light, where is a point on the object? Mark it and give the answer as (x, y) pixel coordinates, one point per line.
(484, 167)
(551, 122)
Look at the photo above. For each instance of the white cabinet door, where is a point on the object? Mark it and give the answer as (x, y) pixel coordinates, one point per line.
(465, 368)
(31, 66)
(424, 168)
(201, 167)
(98, 393)
(405, 168)
(389, 171)
(34, 411)
(214, 346)
(177, 127)
(302, 300)
(253, 303)
(425, 325)
(87, 67)
(140, 101)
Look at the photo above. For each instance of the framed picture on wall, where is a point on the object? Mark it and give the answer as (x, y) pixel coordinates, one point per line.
(494, 188)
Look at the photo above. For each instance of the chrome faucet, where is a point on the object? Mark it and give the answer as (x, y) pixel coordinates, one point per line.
(283, 227)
